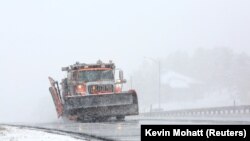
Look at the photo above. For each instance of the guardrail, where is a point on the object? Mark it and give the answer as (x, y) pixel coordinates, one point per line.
(228, 111)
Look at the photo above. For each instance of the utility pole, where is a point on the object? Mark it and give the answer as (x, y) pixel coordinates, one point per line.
(131, 82)
(159, 83)
(159, 79)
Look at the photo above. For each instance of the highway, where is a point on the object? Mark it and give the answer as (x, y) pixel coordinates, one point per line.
(129, 129)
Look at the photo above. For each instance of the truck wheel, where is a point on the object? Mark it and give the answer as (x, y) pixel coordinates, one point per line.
(120, 118)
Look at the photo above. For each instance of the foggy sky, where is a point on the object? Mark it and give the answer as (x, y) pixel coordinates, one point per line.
(37, 38)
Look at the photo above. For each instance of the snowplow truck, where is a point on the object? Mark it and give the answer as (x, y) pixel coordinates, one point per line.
(90, 92)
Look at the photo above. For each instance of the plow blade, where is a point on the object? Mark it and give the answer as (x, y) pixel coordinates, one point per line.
(55, 93)
(118, 104)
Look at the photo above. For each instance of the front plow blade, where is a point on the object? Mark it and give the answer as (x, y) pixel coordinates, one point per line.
(108, 105)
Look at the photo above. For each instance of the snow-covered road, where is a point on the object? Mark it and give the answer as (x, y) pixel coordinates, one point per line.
(112, 130)
(8, 133)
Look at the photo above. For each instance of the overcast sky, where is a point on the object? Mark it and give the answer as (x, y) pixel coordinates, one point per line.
(37, 38)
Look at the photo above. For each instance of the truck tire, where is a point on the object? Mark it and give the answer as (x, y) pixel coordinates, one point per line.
(120, 118)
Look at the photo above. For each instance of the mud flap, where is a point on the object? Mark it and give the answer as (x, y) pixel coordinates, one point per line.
(55, 93)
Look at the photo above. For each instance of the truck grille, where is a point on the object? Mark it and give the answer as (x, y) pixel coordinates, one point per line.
(96, 89)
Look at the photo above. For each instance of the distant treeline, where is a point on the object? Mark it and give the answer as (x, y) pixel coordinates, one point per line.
(214, 69)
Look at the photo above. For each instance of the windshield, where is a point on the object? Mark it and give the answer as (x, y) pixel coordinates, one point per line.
(95, 75)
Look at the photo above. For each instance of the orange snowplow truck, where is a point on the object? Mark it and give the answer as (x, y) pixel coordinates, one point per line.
(91, 92)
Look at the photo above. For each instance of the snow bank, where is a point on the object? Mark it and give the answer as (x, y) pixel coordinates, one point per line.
(17, 134)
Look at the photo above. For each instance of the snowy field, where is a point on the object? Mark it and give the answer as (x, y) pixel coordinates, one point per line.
(17, 134)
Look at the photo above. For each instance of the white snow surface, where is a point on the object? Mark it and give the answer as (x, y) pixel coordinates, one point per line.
(17, 134)
(177, 80)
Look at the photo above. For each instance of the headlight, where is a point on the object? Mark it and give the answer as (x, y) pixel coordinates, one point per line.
(81, 89)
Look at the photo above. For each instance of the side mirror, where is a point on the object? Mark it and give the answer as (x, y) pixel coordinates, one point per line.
(121, 75)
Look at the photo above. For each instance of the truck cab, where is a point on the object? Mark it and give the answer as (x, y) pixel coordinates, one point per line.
(91, 91)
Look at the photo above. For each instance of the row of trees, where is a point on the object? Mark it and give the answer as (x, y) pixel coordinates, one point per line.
(214, 70)
(217, 68)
